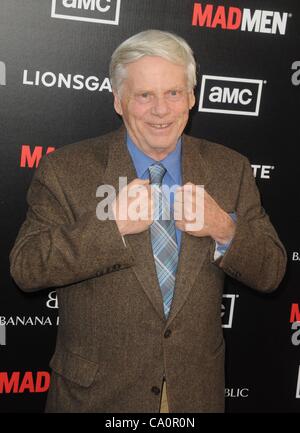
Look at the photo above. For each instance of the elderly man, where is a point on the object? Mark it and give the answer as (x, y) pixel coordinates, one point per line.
(140, 297)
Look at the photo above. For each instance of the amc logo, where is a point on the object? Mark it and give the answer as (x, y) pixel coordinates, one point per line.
(227, 310)
(229, 95)
(94, 11)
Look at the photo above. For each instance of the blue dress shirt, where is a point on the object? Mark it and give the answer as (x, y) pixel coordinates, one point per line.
(172, 163)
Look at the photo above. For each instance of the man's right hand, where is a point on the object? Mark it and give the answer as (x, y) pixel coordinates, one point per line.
(133, 207)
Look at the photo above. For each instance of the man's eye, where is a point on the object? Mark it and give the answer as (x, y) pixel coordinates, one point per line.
(143, 97)
(174, 94)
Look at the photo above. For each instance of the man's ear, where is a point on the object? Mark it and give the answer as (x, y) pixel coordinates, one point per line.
(117, 103)
(192, 99)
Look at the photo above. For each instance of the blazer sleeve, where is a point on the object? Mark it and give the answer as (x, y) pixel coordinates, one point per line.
(256, 256)
(52, 249)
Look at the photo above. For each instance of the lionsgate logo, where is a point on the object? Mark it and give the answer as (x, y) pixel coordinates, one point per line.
(91, 83)
(262, 171)
(94, 11)
(228, 95)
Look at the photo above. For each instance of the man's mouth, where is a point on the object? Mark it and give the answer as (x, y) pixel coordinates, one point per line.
(160, 125)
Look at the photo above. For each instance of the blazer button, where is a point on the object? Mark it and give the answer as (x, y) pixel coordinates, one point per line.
(155, 390)
(167, 333)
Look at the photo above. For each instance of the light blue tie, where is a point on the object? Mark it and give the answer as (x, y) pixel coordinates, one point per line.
(163, 238)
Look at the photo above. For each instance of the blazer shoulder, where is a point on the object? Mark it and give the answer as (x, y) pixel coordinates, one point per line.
(81, 154)
(216, 152)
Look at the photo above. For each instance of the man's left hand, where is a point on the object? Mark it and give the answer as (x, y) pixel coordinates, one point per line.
(216, 223)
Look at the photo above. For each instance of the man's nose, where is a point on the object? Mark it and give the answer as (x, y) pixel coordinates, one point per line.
(160, 106)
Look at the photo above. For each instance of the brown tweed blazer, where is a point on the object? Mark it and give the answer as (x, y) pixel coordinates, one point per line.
(112, 347)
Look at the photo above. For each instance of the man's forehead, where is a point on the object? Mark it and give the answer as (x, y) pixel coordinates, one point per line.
(154, 69)
(146, 62)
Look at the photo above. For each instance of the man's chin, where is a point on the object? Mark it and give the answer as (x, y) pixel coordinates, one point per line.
(157, 144)
(162, 141)
(160, 150)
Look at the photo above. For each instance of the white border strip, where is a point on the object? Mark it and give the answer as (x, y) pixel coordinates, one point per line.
(232, 303)
(2, 335)
(298, 384)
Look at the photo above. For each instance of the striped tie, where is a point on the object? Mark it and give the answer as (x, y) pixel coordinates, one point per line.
(163, 238)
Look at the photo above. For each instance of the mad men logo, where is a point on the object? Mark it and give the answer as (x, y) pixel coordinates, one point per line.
(295, 321)
(94, 11)
(233, 18)
(18, 382)
(227, 310)
(295, 313)
(31, 158)
(230, 95)
(2, 74)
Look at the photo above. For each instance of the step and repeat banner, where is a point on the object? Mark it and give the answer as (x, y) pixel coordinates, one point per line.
(55, 90)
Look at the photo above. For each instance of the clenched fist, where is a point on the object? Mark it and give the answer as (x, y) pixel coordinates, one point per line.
(133, 207)
(198, 214)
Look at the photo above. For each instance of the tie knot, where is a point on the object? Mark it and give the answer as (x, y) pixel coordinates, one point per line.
(157, 172)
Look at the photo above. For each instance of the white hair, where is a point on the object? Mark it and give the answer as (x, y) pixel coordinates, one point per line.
(152, 43)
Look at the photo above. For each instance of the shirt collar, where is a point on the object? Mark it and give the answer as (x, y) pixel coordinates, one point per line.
(172, 162)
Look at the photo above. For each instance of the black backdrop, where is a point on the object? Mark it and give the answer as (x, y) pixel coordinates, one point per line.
(41, 111)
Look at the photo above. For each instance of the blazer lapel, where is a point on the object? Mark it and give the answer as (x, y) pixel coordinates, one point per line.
(120, 164)
(194, 250)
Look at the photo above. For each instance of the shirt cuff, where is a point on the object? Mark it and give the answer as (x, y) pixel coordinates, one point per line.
(221, 249)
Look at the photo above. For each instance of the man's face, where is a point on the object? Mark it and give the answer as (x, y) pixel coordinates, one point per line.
(154, 102)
